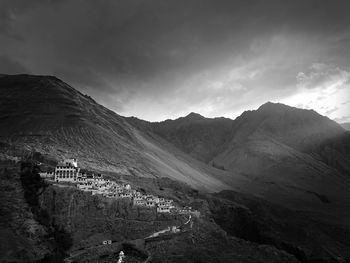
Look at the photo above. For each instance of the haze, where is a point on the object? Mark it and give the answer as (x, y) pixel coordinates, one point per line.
(163, 59)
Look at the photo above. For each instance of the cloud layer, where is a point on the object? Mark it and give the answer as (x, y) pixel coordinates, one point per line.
(162, 59)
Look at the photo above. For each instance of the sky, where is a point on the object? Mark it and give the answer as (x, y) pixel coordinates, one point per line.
(160, 59)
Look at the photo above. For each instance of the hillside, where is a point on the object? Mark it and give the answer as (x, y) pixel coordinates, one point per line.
(200, 137)
(290, 156)
(293, 157)
(44, 114)
(284, 172)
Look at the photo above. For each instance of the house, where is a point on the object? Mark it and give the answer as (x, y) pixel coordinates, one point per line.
(47, 175)
(137, 194)
(85, 186)
(101, 187)
(81, 178)
(90, 178)
(170, 203)
(125, 195)
(175, 229)
(140, 202)
(163, 204)
(150, 203)
(112, 195)
(163, 209)
(152, 198)
(98, 179)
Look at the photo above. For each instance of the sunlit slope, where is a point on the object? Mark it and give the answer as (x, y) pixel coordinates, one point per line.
(283, 151)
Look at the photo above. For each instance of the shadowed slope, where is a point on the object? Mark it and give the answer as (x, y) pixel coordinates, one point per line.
(295, 157)
(44, 114)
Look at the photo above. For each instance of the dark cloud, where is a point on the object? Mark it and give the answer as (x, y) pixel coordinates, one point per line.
(177, 56)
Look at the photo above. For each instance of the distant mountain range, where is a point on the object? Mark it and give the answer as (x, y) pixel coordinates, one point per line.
(286, 155)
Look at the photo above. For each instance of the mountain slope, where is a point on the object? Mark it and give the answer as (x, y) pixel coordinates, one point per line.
(44, 114)
(302, 130)
(200, 137)
(295, 157)
(292, 157)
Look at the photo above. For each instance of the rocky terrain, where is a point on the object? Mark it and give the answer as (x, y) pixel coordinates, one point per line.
(271, 185)
(78, 223)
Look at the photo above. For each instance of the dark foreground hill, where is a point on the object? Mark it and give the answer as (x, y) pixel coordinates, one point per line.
(45, 223)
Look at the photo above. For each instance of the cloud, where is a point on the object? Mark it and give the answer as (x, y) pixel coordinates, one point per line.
(323, 88)
(323, 76)
(330, 111)
(9, 66)
(343, 119)
(160, 59)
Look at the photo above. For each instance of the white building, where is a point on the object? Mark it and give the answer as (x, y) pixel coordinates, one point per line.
(47, 175)
(67, 171)
(81, 178)
(150, 203)
(85, 186)
(138, 200)
(98, 179)
(127, 186)
(163, 209)
(125, 195)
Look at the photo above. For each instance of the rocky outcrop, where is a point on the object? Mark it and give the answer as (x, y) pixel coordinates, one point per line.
(92, 219)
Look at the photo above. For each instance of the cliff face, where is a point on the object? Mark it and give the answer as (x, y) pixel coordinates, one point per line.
(22, 237)
(92, 219)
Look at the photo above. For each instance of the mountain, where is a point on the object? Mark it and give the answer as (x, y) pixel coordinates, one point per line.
(273, 181)
(200, 137)
(293, 157)
(289, 152)
(44, 114)
(290, 156)
(346, 125)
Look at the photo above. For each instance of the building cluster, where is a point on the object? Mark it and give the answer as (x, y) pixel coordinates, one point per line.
(68, 171)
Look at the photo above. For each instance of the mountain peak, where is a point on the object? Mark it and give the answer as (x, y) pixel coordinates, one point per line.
(274, 106)
(194, 116)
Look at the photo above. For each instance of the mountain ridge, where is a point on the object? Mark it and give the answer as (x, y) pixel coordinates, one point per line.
(292, 157)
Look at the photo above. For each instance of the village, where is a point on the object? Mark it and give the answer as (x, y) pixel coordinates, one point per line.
(69, 172)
